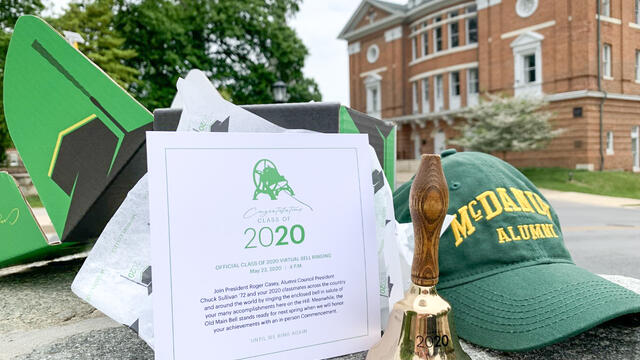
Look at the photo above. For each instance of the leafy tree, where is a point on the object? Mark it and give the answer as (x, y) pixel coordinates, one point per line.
(244, 46)
(93, 20)
(10, 11)
(169, 37)
(504, 124)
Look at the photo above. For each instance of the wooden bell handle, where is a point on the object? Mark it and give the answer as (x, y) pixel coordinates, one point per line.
(428, 203)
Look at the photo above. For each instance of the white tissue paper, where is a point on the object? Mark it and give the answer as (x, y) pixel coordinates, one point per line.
(116, 277)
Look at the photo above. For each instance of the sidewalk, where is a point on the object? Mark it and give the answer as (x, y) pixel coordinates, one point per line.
(590, 199)
(575, 197)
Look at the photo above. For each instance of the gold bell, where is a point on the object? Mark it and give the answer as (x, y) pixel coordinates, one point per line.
(421, 325)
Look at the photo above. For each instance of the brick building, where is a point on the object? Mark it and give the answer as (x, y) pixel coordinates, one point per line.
(420, 63)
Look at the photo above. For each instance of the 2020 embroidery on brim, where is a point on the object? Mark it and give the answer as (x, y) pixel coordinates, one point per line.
(503, 264)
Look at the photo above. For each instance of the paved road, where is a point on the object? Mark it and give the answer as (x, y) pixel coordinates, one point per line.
(604, 240)
(41, 319)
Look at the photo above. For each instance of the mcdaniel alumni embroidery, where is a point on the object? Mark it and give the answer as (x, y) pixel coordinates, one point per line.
(490, 204)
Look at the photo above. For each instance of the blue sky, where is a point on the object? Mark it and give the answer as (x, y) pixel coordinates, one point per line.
(318, 24)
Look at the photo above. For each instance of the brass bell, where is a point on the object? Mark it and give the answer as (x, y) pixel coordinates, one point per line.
(421, 325)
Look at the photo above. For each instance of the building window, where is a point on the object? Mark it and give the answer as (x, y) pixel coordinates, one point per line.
(373, 53)
(454, 31)
(374, 100)
(439, 94)
(527, 58)
(437, 36)
(454, 90)
(425, 95)
(473, 87)
(425, 44)
(525, 8)
(606, 60)
(637, 65)
(414, 98)
(637, 12)
(472, 30)
(605, 8)
(529, 68)
(455, 83)
(609, 142)
(414, 44)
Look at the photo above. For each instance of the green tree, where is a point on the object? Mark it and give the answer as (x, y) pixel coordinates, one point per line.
(244, 46)
(504, 124)
(93, 20)
(10, 11)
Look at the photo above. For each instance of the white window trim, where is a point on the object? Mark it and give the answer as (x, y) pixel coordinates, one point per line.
(637, 66)
(438, 101)
(454, 100)
(450, 42)
(483, 4)
(442, 12)
(443, 70)
(527, 44)
(414, 44)
(425, 96)
(373, 53)
(466, 32)
(607, 66)
(605, 10)
(353, 48)
(393, 34)
(609, 19)
(373, 81)
(610, 143)
(636, 12)
(435, 40)
(414, 97)
(523, 14)
(417, 142)
(528, 29)
(425, 49)
(418, 31)
(472, 98)
(443, 53)
(373, 72)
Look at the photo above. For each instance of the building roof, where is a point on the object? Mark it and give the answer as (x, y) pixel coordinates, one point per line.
(397, 11)
(390, 5)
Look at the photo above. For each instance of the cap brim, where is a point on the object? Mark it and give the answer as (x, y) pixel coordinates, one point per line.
(535, 306)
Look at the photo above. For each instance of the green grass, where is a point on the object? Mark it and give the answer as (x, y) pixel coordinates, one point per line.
(34, 201)
(609, 183)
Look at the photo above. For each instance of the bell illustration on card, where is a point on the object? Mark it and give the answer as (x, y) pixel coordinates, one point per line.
(421, 325)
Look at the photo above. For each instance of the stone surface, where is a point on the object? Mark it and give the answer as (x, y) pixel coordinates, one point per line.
(36, 303)
(40, 318)
(40, 297)
(115, 343)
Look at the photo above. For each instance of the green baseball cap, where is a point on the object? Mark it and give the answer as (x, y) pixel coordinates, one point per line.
(503, 265)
